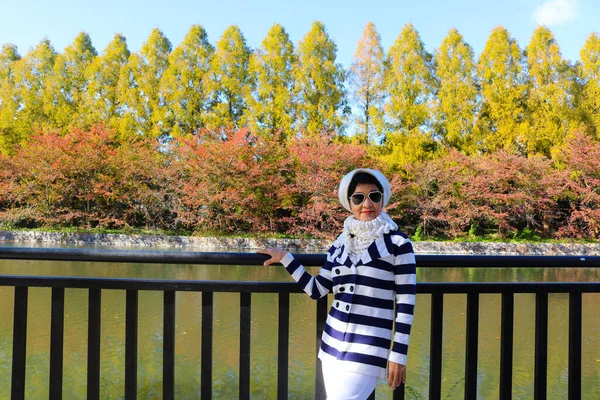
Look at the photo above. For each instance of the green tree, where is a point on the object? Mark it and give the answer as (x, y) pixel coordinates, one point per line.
(8, 56)
(272, 108)
(230, 82)
(320, 81)
(9, 102)
(33, 73)
(143, 109)
(366, 82)
(69, 84)
(134, 113)
(457, 96)
(102, 96)
(404, 150)
(184, 84)
(550, 98)
(411, 85)
(590, 71)
(503, 82)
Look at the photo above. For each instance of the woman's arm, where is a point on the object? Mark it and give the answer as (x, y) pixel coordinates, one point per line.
(315, 287)
(405, 280)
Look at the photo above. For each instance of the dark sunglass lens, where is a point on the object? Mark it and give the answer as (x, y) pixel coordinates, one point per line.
(357, 198)
(375, 197)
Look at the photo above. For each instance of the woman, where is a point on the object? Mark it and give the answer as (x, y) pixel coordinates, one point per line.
(370, 268)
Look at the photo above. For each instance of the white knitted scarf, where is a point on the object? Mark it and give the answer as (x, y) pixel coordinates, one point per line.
(358, 235)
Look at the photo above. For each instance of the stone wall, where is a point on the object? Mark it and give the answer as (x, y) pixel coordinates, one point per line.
(191, 243)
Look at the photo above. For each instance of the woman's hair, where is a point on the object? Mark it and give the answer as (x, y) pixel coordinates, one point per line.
(364, 178)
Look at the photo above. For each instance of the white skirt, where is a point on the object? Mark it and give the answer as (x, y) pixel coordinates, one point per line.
(346, 385)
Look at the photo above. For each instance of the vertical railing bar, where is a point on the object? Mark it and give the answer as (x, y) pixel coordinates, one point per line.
(245, 299)
(19, 343)
(575, 322)
(471, 346)
(506, 345)
(206, 346)
(283, 341)
(321, 317)
(541, 346)
(169, 345)
(93, 361)
(435, 347)
(399, 392)
(57, 327)
(131, 343)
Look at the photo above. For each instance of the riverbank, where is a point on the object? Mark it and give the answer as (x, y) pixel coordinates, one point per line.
(193, 243)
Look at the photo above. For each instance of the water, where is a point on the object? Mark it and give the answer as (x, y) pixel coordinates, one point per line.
(302, 334)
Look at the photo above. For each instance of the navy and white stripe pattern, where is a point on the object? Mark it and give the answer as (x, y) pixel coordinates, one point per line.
(359, 327)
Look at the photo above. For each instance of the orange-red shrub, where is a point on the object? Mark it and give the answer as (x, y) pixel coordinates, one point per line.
(85, 178)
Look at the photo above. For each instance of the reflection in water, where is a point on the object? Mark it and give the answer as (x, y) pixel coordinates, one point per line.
(302, 353)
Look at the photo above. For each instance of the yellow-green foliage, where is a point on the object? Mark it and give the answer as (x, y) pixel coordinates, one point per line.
(407, 103)
(456, 104)
(366, 78)
(405, 149)
(503, 82)
(550, 97)
(67, 86)
(320, 83)
(9, 103)
(410, 83)
(230, 82)
(590, 68)
(32, 73)
(101, 100)
(184, 85)
(273, 107)
(138, 88)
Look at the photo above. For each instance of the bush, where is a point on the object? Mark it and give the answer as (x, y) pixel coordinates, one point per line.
(234, 182)
(87, 179)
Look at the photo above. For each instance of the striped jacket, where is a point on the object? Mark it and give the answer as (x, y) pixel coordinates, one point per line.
(359, 327)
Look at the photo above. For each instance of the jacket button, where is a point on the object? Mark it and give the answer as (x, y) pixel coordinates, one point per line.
(337, 304)
(347, 308)
(337, 271)
(342, 289)
(352, 288)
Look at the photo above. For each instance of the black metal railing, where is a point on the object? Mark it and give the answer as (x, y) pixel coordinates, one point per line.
(170, 288)
(230, 258)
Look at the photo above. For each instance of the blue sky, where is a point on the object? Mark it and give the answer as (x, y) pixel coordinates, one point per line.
(26, 22)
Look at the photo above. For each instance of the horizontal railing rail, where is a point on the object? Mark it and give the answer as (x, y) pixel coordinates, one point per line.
(170, 287)
(281, 287)
(229, 258)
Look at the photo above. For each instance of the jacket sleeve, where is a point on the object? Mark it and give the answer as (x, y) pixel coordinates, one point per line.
(315, 287)
(405, 280)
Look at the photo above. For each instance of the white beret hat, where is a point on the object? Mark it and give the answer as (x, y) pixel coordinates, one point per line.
(344, 196)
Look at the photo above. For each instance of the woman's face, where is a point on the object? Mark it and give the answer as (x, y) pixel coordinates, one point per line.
(367, 210)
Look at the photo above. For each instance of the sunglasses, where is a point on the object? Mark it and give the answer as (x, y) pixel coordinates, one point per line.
(358, 198)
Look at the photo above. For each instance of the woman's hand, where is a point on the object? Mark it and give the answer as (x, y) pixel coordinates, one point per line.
(276, 255)
(396, 374)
